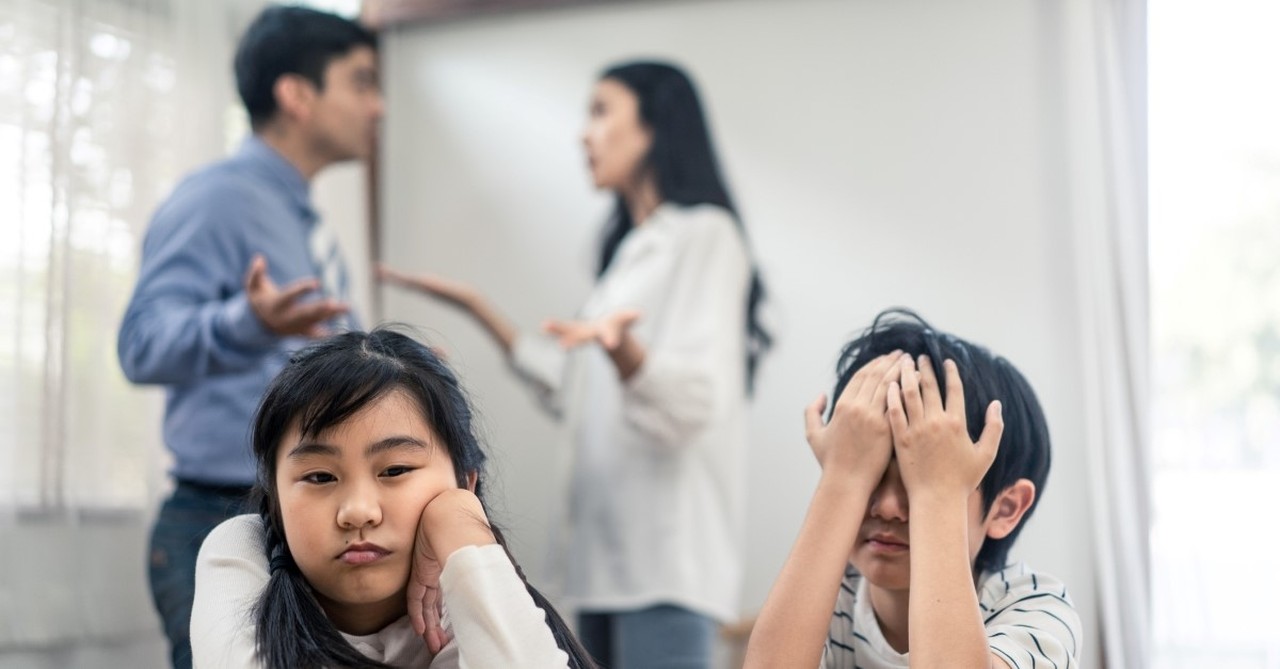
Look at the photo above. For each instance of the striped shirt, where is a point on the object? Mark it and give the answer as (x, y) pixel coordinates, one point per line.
(1030, 621)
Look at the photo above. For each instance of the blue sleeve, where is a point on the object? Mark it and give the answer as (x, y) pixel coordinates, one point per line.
(189, 317)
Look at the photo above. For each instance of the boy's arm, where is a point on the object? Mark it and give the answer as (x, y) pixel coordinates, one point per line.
(854, 450)
(940, 469)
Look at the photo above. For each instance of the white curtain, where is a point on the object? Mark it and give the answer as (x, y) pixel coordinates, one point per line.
(104, 104)
(1105, 68)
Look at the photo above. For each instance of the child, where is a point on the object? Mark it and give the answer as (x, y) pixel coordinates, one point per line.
(371, 547)
(932, 458)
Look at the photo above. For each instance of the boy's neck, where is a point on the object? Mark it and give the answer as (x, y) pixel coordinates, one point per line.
(892, 613)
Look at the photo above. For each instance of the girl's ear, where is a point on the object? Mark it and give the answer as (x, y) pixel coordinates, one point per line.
(472, 477)
(1009, 507)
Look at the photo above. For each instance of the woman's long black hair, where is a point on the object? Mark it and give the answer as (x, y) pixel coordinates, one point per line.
(323, 385)
(687, 173)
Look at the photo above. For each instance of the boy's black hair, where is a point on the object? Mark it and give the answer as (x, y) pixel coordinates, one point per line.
(290, 40)
(1024, 447)
(322, 386)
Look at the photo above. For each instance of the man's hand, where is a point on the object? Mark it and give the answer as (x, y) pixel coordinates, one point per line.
(858, 440)
(280, 310)
(451, 520)
(931, 441)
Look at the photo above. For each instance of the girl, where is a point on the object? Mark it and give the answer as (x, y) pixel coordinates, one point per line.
(369, 496)
(655, 390)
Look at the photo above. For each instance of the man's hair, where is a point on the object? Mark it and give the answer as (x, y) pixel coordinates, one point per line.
(290, 40)
(1024, 446)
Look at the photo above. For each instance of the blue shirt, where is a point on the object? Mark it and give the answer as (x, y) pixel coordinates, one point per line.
(189, 326)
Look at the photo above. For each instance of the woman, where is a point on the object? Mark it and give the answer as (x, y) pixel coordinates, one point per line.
(652, 378)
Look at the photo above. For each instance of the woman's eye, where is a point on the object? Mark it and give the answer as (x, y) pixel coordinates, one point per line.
(396, 470)
(319, 477)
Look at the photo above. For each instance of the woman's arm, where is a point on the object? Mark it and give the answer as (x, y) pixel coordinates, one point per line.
(460, 295)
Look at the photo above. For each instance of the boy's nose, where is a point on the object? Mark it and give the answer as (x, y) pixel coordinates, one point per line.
(889, 500)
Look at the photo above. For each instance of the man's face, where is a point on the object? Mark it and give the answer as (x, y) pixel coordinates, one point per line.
(344, 115)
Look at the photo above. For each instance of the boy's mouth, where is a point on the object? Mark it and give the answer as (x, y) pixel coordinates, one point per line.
(883, 541)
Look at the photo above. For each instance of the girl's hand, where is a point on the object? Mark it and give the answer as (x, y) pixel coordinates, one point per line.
(607, 331)
(451, 520)
(931, 441)
(858, 440)
(456, 293)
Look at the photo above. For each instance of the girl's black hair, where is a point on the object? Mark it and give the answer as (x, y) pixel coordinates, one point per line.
(1024, 447)
(321, 386)
(687, 173)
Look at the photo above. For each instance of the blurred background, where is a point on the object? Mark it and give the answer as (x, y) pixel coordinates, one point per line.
(1089, 187)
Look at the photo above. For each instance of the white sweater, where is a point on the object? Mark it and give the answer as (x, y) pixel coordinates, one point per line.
(491, 617)
(657, 469)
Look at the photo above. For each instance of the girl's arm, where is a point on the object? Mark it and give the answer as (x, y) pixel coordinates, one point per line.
(231, 573)
(491, 620)
(854, 450)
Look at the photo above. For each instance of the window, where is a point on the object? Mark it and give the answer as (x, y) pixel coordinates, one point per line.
(1215, 295)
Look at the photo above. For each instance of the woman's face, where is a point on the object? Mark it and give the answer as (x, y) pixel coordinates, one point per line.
(350, 500)
(616, 140)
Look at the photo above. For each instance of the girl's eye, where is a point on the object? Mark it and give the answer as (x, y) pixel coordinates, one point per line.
(396, 470)
(319, 478)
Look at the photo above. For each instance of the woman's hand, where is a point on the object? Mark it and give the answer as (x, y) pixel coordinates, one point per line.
(457, 293)
(451, 520)
(608, 331)
(931, 441)
(858, 440)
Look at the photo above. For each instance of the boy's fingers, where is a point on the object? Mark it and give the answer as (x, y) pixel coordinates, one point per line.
(897, 414)
(813, 415)
(989, 440)
(909, 383)
(930, 396)
(891, 373)
(955, 388)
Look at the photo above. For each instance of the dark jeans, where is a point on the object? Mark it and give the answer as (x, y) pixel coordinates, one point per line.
(659, 637)
(185, 520)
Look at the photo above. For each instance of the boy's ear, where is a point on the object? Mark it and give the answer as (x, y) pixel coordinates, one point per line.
(1009, 507)
(472, 477)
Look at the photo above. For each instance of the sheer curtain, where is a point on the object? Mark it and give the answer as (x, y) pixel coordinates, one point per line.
(104, 104)
(1105, 67)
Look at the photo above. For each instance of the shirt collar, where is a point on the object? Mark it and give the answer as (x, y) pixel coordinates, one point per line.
(277, 168)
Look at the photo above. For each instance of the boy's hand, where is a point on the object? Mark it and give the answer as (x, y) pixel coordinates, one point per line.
(858, 439)
(931, 441)
(451, 520)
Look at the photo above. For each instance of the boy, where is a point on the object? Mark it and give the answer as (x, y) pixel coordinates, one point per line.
(931, 459)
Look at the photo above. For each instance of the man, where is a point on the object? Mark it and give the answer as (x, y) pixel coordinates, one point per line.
(237, 271)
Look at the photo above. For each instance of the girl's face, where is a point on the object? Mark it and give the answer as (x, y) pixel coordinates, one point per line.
(616, 140)
(350, 500)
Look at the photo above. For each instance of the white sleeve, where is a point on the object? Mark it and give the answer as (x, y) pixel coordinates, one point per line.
(540, 363)
(676, 391)
(1032, 623)
(490, 615)
(231, 573)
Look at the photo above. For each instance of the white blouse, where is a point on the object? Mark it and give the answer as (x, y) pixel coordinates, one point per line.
(657, 470)
(490, 616)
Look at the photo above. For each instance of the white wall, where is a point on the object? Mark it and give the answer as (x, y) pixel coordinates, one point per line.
(904, 153)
